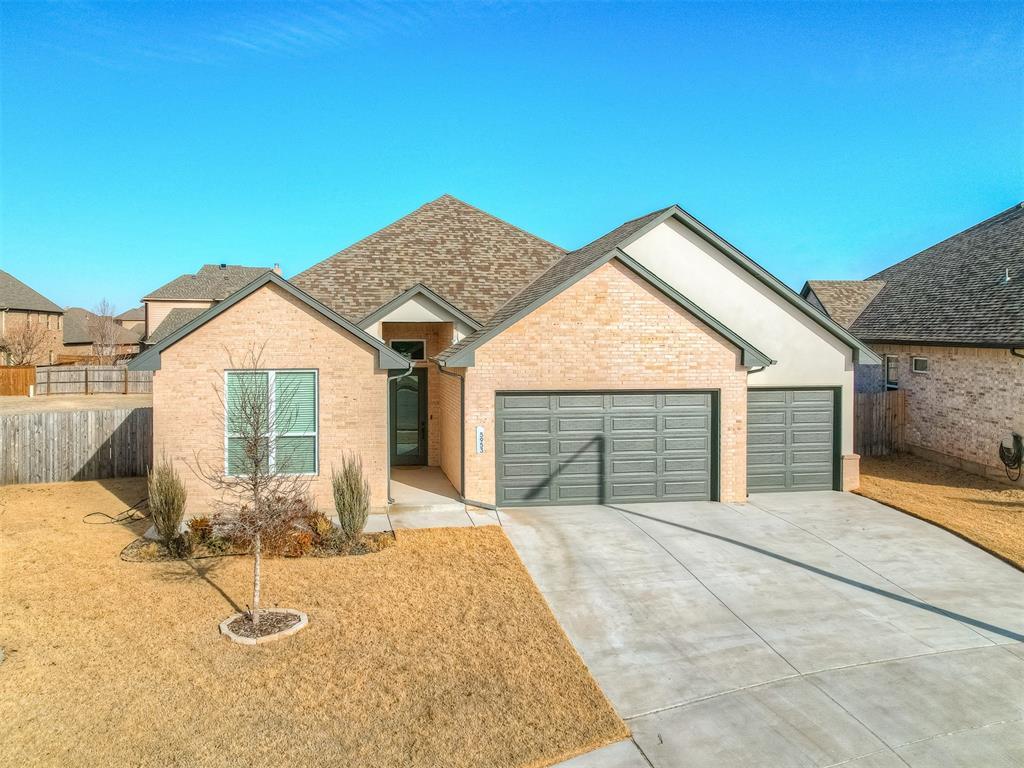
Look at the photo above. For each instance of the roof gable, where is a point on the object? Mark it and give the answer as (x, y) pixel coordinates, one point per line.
(14, 294)
(578, 263)
(387, 358)
(411, 294)
(474, 260)
(843, 300)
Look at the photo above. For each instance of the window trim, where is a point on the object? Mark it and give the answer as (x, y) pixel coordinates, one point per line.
(893, 383)
(412, 359)
(913, 365)
(272, 413)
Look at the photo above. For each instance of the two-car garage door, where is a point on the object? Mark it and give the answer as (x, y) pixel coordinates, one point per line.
(584, 447)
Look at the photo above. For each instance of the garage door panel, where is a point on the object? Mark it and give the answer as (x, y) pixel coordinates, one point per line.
(537, 426)
(644, 400)
(595, 402)
(590, 424)
(790, 440)
(636, 446)
(634, 466)
(522, 402)
(634, 424)
(676, 423)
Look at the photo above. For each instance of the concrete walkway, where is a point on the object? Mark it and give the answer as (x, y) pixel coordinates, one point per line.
(812, 629)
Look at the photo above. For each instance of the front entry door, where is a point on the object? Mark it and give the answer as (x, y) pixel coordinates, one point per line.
(409, 418)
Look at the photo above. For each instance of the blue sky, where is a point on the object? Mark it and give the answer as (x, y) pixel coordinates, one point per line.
(140, 140)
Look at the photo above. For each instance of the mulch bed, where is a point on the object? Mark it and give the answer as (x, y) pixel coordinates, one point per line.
(270, 622)
(144, 550)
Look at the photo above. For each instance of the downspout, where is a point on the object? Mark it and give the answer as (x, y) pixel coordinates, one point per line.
(1016, 352)
(462, 440)
(752, 371)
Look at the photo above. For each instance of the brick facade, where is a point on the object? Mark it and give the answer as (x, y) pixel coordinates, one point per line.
(14, 322)
(969, 400)
(611, 330)
(187, 413)
(450, 421)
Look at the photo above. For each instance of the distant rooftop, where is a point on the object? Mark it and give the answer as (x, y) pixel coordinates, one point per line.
(213, 282)
(14, 294)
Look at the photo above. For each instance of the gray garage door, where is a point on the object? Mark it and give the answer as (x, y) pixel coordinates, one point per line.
(790, 434)
(583, 447)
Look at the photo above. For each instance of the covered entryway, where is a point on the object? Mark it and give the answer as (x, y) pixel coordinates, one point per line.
(584, 447)
(792, 441)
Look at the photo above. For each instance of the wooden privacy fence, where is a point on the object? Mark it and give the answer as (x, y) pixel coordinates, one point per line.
(881, 423)
(54, 446)
(92, 380)
(16, 379)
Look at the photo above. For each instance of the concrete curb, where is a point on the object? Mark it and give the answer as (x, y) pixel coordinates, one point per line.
(226, 631)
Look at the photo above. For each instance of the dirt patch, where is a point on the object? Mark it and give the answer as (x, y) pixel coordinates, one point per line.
(985, 512)
(437, 651)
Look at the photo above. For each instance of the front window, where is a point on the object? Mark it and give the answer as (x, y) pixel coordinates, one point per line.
(271, 421)
(892, 367)
(919, 365)
(413, 349)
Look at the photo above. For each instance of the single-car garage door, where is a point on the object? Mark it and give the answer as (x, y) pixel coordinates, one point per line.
(584, 447)
(791, 440)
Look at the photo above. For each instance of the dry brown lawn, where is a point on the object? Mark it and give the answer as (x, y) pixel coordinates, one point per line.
(983, 511)
(438, 651)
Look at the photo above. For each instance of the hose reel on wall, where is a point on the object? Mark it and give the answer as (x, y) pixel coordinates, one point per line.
(1013, 458)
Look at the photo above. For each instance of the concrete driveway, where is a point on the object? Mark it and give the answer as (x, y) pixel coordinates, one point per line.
(811, 629)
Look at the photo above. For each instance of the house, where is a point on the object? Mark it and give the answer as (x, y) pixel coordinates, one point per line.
(657, 362)
(87, 335)
(133, 319)
(949, 322)
(184, 298)
(30, 324)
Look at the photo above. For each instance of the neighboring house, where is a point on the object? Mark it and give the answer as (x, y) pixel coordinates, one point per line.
(82, 337)
(172, 305)
(656, 363)
(25, 314)
(949, 323)
(133, 319)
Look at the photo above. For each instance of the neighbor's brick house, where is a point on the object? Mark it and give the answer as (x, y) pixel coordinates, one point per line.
(22, 306)
(949, 324)
(655, 363)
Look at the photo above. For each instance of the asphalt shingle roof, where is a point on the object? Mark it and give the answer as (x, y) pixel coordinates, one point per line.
(473, 260)
(559, 272)
(213, 282)
(78, 328)
(174, 320)
(137, 313)
(14, 294)
(844, 300)
(956, 291)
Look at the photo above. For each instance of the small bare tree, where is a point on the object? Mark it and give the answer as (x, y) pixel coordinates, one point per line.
(104, 330)
(24, 344)
(259, 500)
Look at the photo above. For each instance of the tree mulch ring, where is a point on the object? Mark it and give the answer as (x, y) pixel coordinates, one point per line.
(272, 625)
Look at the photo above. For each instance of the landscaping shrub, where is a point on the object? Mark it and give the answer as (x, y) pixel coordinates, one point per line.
(201, 529)
(167, 498)
(320, 525)
(351, 496)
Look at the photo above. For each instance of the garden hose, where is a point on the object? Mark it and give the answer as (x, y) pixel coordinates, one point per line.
(132, 514)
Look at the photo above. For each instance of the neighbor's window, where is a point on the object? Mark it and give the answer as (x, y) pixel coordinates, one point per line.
(412, 349)
(892, 367)
(275, 412)
(919, 365)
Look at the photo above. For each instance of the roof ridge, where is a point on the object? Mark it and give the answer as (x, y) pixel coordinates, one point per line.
(973, 228)
(410, 214)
